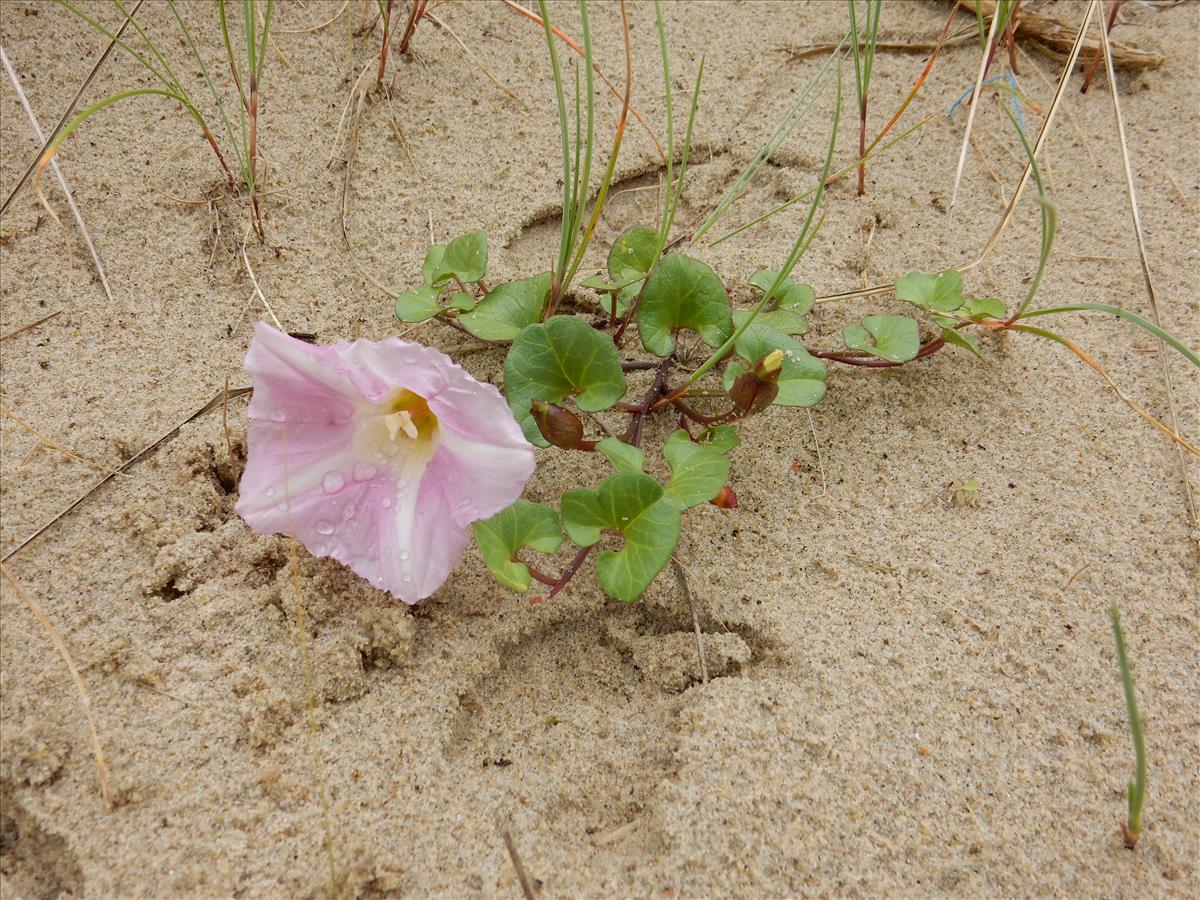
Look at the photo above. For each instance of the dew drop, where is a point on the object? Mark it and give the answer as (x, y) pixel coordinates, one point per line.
(386, 502)
(364, 471)
(403, 555)
(408, 576)
(270, 492)
(401, 484)
(324, 527)
(333, 482)
(391, 448)
(277, 415)
(348, 511)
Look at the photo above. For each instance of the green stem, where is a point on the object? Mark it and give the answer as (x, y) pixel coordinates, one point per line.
(1160, 333)
(1137, 787)
(806, 235)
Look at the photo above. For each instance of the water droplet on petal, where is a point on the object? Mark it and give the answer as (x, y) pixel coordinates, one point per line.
(403, 555)
(333, 482)
(277, 415)
(391, 448)
(270, 492)
(386, 502)
(401, 484)
(408, 576)
(324, 527)
(348, 511)
(364, 471)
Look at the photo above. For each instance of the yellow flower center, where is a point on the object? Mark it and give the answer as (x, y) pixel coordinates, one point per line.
(408, 417)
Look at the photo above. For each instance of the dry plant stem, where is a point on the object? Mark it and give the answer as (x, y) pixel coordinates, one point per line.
(386, 45)
(681, 576)
(1043, 135)
(1090, 73)
(522, 876)
(70, 107)
(142, 454)
(329, 21)
(983, 67)
(80, 688)
(511, 94)
(54, 445)
(416, 9)
(62, 182)
(1148, 280)
(30, 326)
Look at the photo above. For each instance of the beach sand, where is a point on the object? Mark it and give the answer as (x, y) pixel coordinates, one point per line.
(913, 689)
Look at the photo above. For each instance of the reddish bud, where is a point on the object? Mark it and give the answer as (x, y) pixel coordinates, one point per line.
(559, 426)
(751, 394)
(725, 499)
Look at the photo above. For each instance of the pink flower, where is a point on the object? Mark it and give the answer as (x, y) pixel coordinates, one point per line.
(377, 453)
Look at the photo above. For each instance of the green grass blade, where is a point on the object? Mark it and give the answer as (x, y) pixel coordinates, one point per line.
(1146, 325)
(1049, 215)
(145, 63)
(1137, 787)
(666, 64)
(794, 116)
(564, 137)
(807, 233)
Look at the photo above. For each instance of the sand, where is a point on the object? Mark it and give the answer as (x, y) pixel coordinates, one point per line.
(909, 695)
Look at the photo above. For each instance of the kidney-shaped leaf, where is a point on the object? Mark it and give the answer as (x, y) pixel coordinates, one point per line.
(508, 308)
(418, 305)
(942, 293)
(683, 293)
(523, 524)
(698, 471)
(465, 256)
(634, 506)
(894, 338)
(563, 357)
(797, 297)
(801, 375)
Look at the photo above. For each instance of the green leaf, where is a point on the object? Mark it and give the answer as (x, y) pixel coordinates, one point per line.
(631, 256)
(465, 256)
(942, 292)
(894, 338)
(987, 308)
(634, 252)
(523, 524)
(698, 471)
(720, 437)
(801, 377)
(565, 356)
(786, 321)
(634, 506)
(966, 341)
(433, 266)
(462, 301)
(624, 457)
(797, 297)
(508, 308)
(683, 293)
(418, 305)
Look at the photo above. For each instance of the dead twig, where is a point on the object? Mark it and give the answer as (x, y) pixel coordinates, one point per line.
(52, 444)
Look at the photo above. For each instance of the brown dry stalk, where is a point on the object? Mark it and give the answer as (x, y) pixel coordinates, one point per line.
(1148, 280)
(80, 688)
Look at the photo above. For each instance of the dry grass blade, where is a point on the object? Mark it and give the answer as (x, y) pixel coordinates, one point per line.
(1043, 135)
(522, 876)
(84, 700)
(681, 576)
(329, 21)
(54, 445)
(1147, 278)
(70, 107)
(30, 326)
(475, 59)
(62, 181)
(983, 64)
(212, 404)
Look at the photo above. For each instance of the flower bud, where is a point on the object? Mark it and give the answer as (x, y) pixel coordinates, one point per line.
(725, 499)
(754, 391)
(559, 426)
